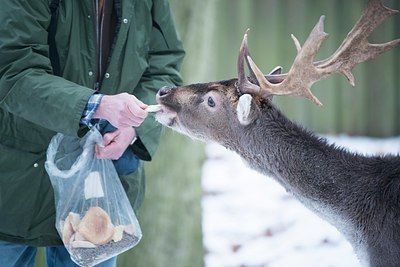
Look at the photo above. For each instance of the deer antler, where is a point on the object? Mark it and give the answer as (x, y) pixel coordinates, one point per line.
(305, 72)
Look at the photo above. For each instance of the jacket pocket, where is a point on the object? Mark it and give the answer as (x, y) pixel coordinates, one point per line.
(26, 196)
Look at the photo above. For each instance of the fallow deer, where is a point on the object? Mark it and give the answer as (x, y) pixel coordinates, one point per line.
(359, 195)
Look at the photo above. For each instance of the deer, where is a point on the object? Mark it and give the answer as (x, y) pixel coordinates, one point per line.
(357, 194)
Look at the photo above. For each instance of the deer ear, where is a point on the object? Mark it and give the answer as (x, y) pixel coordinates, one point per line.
(243, 109)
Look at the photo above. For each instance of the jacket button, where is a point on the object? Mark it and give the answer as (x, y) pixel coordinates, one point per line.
(90, 73)
(107, 75)
(35, 165)
(125, 21)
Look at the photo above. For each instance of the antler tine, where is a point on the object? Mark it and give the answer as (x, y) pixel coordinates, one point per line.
(302, 73)
(354, 50)
(243, 83)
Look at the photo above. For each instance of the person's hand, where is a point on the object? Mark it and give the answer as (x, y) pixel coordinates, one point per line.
(115, 143)
(122, 110)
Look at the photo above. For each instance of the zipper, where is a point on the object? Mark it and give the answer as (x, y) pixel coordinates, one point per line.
(104, 32)
(98, 44)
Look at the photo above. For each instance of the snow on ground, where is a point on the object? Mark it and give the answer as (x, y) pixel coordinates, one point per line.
(250, 221)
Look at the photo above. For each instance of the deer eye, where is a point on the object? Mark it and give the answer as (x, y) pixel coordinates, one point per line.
(211, 102)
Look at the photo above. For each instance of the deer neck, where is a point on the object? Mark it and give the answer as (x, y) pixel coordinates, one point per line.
(301, 162)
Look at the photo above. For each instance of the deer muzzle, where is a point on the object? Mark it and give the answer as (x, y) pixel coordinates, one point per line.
(165, 90)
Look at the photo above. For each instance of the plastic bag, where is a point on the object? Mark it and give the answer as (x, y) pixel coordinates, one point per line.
(93, 215)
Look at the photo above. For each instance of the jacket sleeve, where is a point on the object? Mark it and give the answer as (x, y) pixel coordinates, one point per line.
(28, 89)
(165, 60)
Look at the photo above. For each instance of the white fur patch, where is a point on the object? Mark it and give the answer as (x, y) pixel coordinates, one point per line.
(243, 109)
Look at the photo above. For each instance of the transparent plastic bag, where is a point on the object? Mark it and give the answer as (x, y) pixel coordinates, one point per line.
(93, 215)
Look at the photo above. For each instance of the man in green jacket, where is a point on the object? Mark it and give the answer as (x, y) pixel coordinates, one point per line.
(111, 58)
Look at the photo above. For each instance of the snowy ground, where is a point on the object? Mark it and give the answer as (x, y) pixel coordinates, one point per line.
(250, 221)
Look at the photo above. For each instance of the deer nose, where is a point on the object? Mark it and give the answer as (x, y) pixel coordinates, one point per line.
(165, 90)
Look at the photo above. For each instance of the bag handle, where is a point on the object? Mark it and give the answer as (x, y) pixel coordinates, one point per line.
(92, 137)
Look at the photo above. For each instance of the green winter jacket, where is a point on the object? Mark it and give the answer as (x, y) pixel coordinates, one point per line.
(34, 104)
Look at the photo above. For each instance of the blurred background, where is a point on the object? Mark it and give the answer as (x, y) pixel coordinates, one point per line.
(211, 30)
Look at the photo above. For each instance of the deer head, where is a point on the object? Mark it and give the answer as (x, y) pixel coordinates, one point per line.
(216, 110)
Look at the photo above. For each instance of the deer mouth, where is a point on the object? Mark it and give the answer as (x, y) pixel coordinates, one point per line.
(166, 116)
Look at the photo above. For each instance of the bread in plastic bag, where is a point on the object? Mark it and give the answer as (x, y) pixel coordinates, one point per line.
(94, 217)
